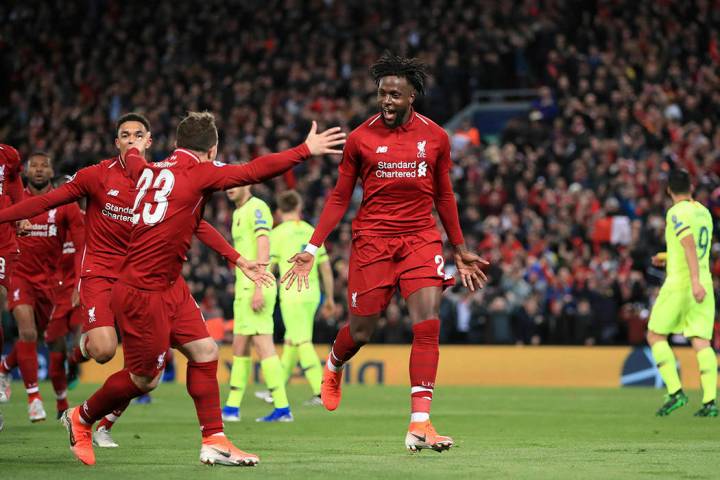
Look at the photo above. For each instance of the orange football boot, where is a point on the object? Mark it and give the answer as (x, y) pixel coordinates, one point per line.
(331, 388)
(80, 436)
(219, 450)
(423, 435)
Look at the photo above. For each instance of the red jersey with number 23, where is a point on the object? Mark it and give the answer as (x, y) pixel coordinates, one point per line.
(169, 203)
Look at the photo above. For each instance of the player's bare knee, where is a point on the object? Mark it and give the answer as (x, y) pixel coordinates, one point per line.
(362, 333)
(145, 384)
(699, 344)
(27, 335)
(201, 351)
(102, 355)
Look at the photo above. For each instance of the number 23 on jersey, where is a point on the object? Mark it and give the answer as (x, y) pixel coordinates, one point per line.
(153, 210)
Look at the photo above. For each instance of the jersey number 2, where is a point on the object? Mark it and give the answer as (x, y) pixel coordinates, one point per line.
(440, 262)
(163, 184)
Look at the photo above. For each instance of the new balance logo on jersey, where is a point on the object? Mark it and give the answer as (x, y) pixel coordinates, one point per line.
(113, 193)
(422, 169)
(354, 300)
(421, 149)
(382, 149)
(2, 178)
(16, 295)
(91, 315)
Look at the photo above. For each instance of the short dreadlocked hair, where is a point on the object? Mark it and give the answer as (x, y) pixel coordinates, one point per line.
(412, 69)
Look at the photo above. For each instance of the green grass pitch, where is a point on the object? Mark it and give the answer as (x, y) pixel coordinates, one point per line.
(500, 433)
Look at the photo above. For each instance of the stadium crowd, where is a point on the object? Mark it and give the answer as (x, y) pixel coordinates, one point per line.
(568, 206)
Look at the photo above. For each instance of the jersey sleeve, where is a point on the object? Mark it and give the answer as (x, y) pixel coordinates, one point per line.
(134, 163)
(445, 197)
(679, 219)
(13, 168)
(339, 199)
(207, 234)
(214, 176)
(78, 187)
(262, 220)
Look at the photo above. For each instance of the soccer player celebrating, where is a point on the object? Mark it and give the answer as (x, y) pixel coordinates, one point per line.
(403, 161)
(253, 310)
(110, 194)
(686, 303)
(298, 309)
(10, 191)
(32, 289)
(151, 300)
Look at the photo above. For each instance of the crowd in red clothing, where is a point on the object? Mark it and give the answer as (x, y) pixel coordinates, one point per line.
(568, 205)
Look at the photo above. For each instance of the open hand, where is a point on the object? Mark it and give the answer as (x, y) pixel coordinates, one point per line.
(256, 271)
(300, 271)
(469, 266)
(322, 143)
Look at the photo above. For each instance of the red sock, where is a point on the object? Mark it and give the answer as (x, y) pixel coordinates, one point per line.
(344, 347)
(202, 385)
(9, 362)
(423, 366)
(59, 379)
(28, 363)
(109, 420)
(76, 356)
(117, 390)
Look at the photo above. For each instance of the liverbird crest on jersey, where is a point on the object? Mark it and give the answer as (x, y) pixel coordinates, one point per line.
(421, 149)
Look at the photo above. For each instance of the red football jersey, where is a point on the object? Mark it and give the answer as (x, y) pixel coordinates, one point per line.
(67, 277)
(403, 171)
(41, 250)
(10, 185)
(110, 193)
(169, 205)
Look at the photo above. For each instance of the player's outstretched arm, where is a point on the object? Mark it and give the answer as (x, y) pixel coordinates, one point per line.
(207, 234)
(269, 166)
(445, 203)
(36, 205)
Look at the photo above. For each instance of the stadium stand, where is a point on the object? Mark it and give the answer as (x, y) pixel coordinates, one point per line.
(568, 204)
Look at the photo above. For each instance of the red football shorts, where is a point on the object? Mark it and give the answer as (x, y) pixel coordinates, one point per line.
(40, 297)
(95, 294)
(152, 321)
(64, 317)
(379, 265)
(7, 261)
